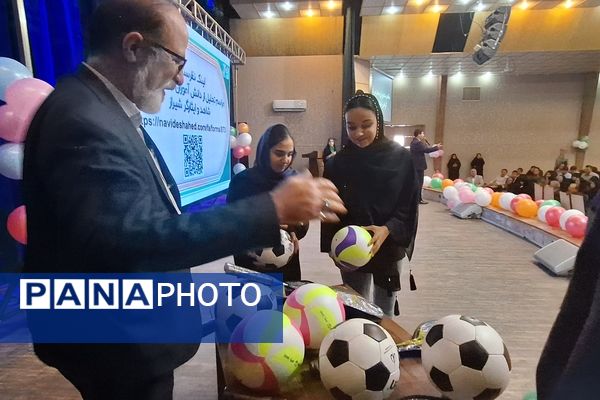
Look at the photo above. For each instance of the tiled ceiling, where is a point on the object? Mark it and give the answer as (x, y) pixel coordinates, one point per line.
(512, 63)
(379, 7)
(286, 9)
(249, 9)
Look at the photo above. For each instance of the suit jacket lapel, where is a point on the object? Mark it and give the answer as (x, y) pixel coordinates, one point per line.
(106, 97)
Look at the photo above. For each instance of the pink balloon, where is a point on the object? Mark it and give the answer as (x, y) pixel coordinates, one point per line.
(238, 152)
(16, 224)
(14, 123)
(466, 196)
(438, 175)
(524, 196)
(577, 225)
(457, 181)
(27, 92)
(513, 203)
(553, 216)
(539, 203)
(247, 150)
(489, 190)
(441, 152)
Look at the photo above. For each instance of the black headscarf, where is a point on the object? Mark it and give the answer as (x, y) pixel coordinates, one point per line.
(378, 185)
(261, 177)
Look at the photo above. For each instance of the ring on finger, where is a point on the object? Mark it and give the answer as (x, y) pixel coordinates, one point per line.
(325, 204)
(322, 216)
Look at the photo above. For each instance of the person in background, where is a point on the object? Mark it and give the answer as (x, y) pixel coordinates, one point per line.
(574, 171)
(453, 167)
(499, 183)
(101, 199)
(376, 179)
(561, 159)
(509, 184)
(518, 183)
(329, 150)
(563, 167)
(478, 163)
(275, 154)
(475, 179)
(418, 148)
(588, 173)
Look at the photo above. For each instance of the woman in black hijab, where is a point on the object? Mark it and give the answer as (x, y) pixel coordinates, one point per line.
(453, 167)
(275, 153)
(376, 180)
(478, 162)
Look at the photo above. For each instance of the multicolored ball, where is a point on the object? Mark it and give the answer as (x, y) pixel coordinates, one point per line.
(315, 309)
(350, 248)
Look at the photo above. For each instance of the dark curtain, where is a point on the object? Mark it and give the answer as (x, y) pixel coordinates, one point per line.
(55, 36)
(56, 41)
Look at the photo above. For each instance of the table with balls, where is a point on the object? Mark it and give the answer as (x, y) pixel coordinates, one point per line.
(306, 382)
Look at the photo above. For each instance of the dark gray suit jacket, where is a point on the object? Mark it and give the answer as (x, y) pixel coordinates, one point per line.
(96, 203)
(418, 150)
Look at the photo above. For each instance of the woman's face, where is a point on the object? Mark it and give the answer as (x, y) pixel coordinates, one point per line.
(453, 156)
(478, 155)
(281, 155)
(331, 142)
(361, 125)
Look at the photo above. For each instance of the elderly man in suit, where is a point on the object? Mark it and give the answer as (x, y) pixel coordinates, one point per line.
(418, 149)
(100, 197)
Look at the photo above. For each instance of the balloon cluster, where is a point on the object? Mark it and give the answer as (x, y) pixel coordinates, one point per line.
(436, 154)
(581, 144)
(239, 142)
(549, 212)
(23, 95)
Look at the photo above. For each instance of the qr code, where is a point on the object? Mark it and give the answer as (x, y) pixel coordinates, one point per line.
(193, 162)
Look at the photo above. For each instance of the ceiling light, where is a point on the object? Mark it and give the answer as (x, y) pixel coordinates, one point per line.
(287, 6)
(308, 12)
(418, 2)
(479, 6)
(436, 8)
(524, 5)
(268, 14)
(392, 10)
(568, 4)
(331, 5)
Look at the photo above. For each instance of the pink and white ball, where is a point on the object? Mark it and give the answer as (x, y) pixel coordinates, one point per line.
(265, 367)
(315, 309)
(350, 248)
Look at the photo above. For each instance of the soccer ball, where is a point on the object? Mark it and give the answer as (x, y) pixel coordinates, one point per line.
(272, 258)
(315, 309)
(350, 248)
(465, 358)
(265, 366)
(359, 360)
(227, 318)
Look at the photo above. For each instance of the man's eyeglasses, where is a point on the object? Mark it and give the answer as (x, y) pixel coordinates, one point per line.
(177, 59)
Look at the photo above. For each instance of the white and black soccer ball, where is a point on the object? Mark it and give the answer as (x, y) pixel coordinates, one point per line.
(272, 258)
(358, 360)
(466, 359)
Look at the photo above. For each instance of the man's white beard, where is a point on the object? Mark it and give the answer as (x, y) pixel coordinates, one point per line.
(147, 100)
